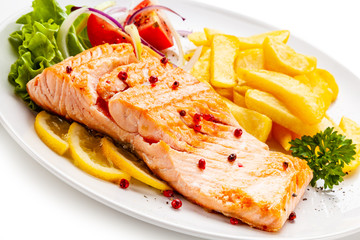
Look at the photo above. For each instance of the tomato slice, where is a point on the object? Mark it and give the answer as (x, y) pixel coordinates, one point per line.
(100, 32)
(152, 28)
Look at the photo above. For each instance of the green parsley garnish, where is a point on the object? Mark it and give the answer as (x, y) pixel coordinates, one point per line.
(326, 153)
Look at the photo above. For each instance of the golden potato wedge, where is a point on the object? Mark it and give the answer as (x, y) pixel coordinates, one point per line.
(201, 69)
(198, 38)
(223, 53)
(239, 99)
(329, 78)
(209, 33)
(282, 58)
(297, 97)
(282, 135)
(351, 130)
(249, 59)
(256, 41)
(241, 89)
(350, 127)
(304, 79)
(270, 106)
(317, 85)
(253, 122)
(225, 92)
(320, 87)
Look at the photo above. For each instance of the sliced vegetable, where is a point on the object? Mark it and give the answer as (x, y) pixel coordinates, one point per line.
(61, 38)
(87, 154)
(52, 130)
(36, 45)
(193, 59)
(100, 32)
(134, 34)
(130, 164)
(153, 27)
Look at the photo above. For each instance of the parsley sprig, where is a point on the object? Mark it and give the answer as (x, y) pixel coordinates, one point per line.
(326, 153)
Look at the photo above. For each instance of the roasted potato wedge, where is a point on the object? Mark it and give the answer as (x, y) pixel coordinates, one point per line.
(282, 135)
(320, 87)
(223, 53)
(256, 41)
(239, 99)
(297, 96)
(209, 33)
(225, 92)
(198, 38)
(329, 78)
(270, 106)
(351, 130)
(249, 59)
(253, 122)
(201, 69)
(280, 57)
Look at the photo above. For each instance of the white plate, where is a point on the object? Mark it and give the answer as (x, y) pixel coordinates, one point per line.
(323, 215)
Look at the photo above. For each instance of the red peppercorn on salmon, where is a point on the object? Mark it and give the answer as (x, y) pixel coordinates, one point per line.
(180, 127)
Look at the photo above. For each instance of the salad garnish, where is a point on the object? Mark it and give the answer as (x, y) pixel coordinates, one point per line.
(50, 34)
(326, 154)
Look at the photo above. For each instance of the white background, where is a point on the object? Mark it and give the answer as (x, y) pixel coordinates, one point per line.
(34, 204)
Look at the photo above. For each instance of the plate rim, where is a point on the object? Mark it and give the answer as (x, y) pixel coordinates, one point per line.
(108, 202)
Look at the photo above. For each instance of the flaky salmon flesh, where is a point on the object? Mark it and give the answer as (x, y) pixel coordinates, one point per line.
(172, 120)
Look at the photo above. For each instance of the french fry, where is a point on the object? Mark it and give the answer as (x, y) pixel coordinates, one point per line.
(351, 130)
(239, 99)
(297, 96)
(241, 89)
(282, 135)
(225, 92)
(209, 33)
(256, 41)
(321, 87)
(223, 53)
(270, 106)
(198, 38)
(329, 78)
(201, 69)
(253, 122)
(249, 59)
(282, 58)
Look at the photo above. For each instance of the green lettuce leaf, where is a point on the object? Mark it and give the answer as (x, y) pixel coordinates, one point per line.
(36, 45)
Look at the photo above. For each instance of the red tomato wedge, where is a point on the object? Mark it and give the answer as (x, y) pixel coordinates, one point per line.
(100, 32)
(152, 28)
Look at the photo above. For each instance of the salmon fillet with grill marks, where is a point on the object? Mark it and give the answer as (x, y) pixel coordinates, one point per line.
(259, 187)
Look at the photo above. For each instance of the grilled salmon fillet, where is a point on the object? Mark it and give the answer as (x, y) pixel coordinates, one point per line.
(172, 120)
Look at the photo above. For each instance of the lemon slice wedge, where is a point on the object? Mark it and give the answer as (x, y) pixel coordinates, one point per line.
(52, 130)
(86, 151)
(130, 164)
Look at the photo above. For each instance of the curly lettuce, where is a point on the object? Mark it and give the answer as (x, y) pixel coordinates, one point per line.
(36, 45)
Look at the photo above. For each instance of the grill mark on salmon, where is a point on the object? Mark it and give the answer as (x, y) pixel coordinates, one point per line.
(133, 111)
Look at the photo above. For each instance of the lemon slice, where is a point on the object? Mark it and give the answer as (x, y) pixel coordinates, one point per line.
(87, 154)
(52, 130)
(130, 164)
